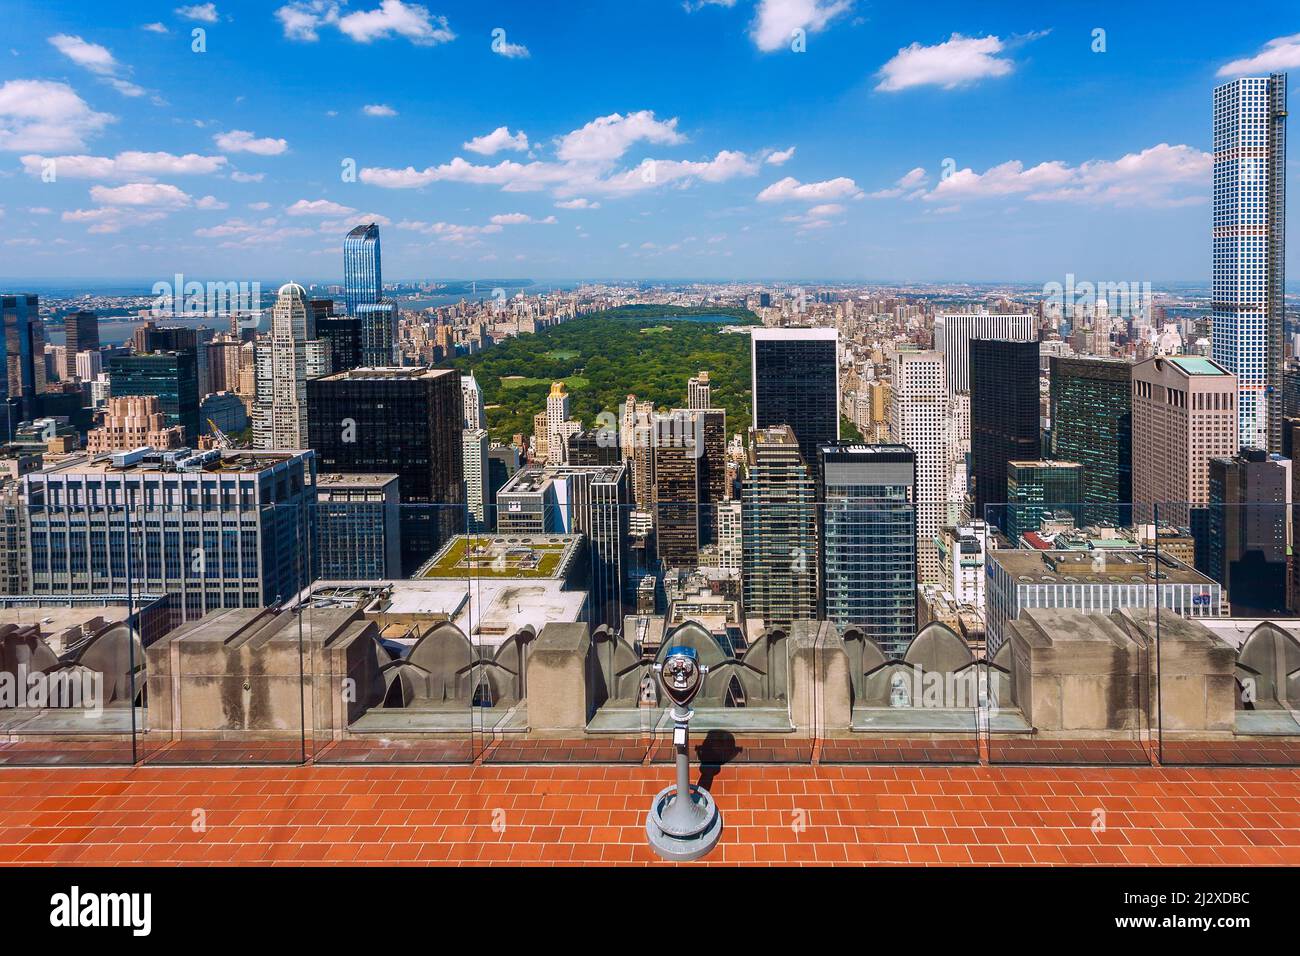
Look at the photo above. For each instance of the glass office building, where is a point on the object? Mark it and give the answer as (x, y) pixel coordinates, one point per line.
(363, 281)
(172, 376)
(868, 543)
(1092, 423)
(796, 383)
(1038, 490)
(22, 347)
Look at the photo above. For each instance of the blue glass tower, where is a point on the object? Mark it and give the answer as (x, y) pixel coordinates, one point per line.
(363, 282)
(868, 546)
(22, 357)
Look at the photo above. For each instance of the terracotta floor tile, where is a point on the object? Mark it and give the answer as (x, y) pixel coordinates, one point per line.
(576, 814)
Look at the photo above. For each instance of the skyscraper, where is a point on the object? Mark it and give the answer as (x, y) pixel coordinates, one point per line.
(953, 333)
(558, 424)
(1037, 490)
(919, 413)
(172, 376)
(868, 544)
(1092, 424)
(363, 281)
(474, 453)
(280, 413)
(406, 422)
(81, 334)
(779, 529)
(796, 382)
(472, 395)
(363, 294)
(1250, 249)
(1004, 416)
(22, 347)
(698, 392)
(1246, 531)
(676, 493)
(1184, 414)
(245, 513)
(952, 337)
(378, 328)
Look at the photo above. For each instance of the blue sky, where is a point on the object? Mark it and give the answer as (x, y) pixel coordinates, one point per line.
(619, 138)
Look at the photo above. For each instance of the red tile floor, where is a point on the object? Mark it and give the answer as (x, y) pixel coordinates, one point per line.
(388, 814)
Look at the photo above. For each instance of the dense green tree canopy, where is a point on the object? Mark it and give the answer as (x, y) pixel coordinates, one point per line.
(649, 351)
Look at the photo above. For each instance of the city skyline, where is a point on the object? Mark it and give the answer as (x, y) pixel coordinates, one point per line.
(780, 162)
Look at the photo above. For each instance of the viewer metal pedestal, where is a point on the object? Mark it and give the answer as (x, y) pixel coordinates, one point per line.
(683, 823)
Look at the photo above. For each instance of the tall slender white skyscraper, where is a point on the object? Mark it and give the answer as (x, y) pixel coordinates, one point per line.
(1250, 249)
(284, 361)
(475, 417)
(918, 419)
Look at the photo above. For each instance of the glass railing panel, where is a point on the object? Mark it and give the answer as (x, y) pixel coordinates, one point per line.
(1071, 592)
(899, 650)
(1229, 648)
(72, 636)
(392, 618)
(228, 684)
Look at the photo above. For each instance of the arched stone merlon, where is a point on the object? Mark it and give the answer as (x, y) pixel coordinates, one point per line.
(695, 636)
(1270, 657)
(117, 654)
(446, 655)
(938, 648)
(864, 656)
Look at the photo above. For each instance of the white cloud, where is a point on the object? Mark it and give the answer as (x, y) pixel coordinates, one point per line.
(776, 20)
(821, 216)
(157, 195)
(127, 165)
(259, 206)
(155, 28)
(91, 56)
(97, 59)
(379, 109)
(203, 12)
(44, 115)
(955, 62)
(242, 141)
(450, 232)
(780, 157)
(519, 219)
(578, 203)
(211, 202)
(588, 155)
(1159, 176)
(239, 177)
(408, 20)
(1280, 53)
(909, 185)
(607, 138)
(727, 164)
(109, 219)
(239, 233)
(509, 175)
(512, 51)
(301, 20)
(318, 207)
(497, 140)
(787, 189)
